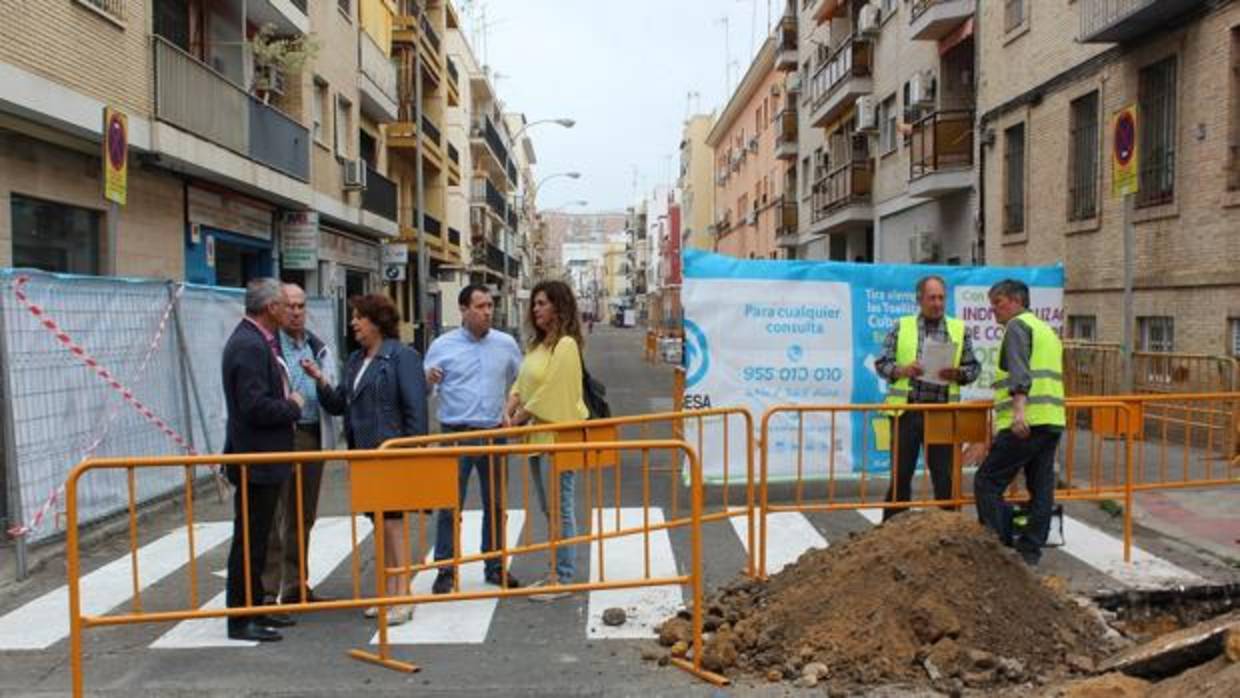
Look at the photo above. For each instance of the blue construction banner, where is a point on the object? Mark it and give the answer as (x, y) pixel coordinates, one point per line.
(765, 332)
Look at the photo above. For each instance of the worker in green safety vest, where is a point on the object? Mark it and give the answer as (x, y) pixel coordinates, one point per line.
(1029, 419)
(901, 365)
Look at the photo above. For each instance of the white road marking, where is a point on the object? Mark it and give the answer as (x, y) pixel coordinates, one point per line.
(44, 621)
(330, 543)
(788, 535)
(456, 622)
(1105, 553)
(624, 558)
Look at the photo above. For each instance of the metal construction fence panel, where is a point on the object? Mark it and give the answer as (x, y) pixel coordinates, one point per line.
(410, 481)
(101, 366)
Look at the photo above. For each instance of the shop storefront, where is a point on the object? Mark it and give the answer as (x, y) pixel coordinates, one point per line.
(229, 238)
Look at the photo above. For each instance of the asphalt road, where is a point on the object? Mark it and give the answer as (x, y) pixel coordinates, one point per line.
(512, 647)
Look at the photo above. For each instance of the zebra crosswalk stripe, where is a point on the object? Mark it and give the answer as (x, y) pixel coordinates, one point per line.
(788, 535)
(624, 558)
(330, 543)
(44, 621)
(466, 622)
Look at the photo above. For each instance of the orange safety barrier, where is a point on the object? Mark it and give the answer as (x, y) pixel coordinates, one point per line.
(723, 503)
(958, 425)
(406, 480)
(1112, 448)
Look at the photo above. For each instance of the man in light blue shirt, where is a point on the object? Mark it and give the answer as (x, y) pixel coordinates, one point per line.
(473, 367)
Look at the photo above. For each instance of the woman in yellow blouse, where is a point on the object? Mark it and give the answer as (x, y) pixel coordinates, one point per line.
(548, 390)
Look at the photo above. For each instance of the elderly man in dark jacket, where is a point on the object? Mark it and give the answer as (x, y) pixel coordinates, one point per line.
(261, 413)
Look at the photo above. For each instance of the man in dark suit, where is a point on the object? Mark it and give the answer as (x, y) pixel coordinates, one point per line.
(262, 412)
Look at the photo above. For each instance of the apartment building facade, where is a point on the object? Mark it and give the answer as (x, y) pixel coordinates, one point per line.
(224, 155)
(1052, 83)
(749, 176)
(887, 102)
(696, 183)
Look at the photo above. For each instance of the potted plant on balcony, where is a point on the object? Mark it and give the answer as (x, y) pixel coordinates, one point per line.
(276, 57)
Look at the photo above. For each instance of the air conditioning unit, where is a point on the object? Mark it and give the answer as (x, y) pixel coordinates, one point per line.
(921, 88)
(753, 144)
(922, 248)
(354, 174)
(752, 218)
(867, 20)
(867, 114)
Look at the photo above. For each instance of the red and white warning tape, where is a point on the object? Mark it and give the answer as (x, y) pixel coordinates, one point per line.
(126, 393)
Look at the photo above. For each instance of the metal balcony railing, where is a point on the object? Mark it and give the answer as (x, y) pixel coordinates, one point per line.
(941, 140)
(454, 237)
(491, 135)
(847, 184)
(431, 225)
(1124, 20)
(192, 96)
(512, 172)
(453, 73)
(788, 220)
(431, 130)
(787, 133)
(453, 154)
(379, 196)
(485, 192)
(428, 31)
(853, 58)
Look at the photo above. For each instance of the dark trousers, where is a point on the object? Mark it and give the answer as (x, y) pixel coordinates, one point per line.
(488, 468)
(910, 428)
(1008, 454)
(282, 570)
(262, 511)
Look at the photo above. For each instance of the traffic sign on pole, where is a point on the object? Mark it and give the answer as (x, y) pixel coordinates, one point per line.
(1125, 158)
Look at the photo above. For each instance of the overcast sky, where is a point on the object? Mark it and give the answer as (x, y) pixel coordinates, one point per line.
(623, 70)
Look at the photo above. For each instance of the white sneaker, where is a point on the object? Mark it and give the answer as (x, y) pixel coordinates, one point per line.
(371, 612)
(552, 593)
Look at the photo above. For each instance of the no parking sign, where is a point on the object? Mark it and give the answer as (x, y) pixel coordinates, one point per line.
(1124, 158)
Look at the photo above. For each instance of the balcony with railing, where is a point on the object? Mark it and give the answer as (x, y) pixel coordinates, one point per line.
(787, 232)
(786, 58)
(453, 74)
(486, 194)
(842, 199)
(193, 97)
(1111, 21)
(841, 79)
(379, 197)
(931, 20)
(454, 155)
(454, 237)
(786, 135)
(941, 154)
(377, 80)
(431, 129)
(428, 31)
(486, 138)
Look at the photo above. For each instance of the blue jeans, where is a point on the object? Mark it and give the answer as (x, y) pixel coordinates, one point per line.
(1008, 455)
(492, 515)
(565, 556)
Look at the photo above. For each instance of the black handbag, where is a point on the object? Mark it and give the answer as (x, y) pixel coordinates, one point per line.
(594, 394)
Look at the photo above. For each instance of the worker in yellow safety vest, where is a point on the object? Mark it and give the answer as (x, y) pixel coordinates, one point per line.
(901, 365)
(1029, 419)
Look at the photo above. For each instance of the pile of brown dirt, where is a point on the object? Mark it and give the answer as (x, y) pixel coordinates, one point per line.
(928, 598)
